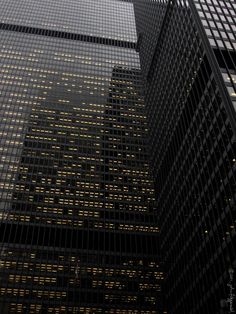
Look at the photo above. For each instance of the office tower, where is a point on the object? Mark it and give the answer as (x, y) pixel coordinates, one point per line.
(78, 233)
(188, 55)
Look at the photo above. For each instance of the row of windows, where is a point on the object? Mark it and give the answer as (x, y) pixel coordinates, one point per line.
(65, 35)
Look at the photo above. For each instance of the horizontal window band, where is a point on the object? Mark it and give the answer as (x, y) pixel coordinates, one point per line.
(67, 35)
(75, 238)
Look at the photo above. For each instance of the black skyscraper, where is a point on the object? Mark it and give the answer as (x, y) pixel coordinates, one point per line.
(188, 55)
(78, 234)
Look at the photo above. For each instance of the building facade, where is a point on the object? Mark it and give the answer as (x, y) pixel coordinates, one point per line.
(189, 64)
(78, 233)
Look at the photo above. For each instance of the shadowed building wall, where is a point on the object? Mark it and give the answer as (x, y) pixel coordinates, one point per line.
(189, 64)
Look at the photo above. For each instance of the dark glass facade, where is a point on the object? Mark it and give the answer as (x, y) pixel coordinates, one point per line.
(78, 232)
(190, 102)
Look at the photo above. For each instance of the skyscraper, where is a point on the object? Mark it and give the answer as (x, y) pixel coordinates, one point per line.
(78, 233)
(188, 53)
